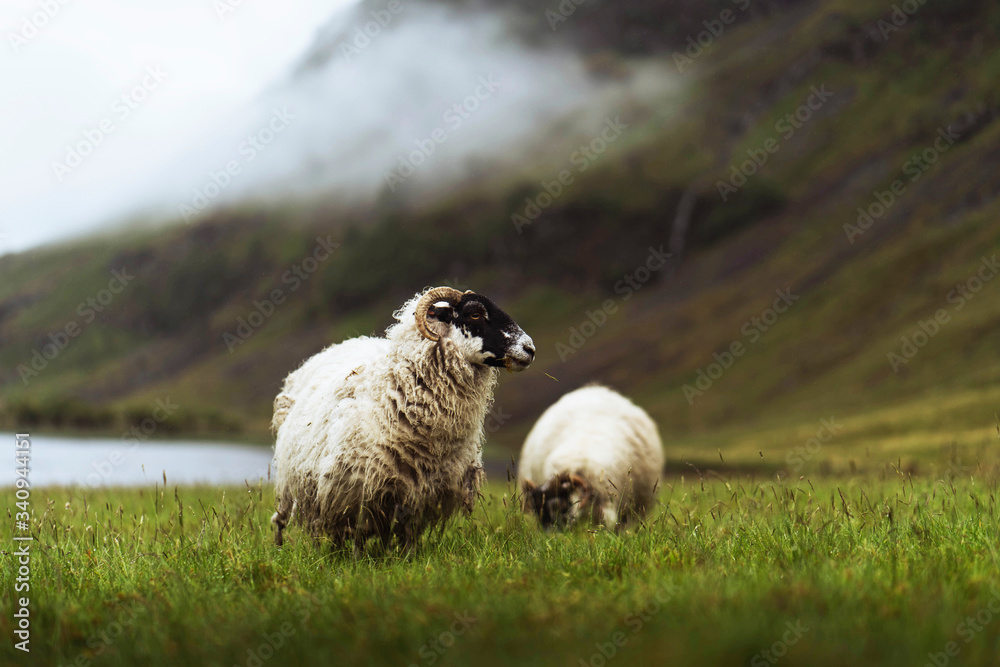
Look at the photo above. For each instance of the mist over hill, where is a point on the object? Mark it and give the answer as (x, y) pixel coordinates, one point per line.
(400, 106)
(824, 175)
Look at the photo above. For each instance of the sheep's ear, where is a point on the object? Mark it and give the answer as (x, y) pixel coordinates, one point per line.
(528, 503)
(441, 312)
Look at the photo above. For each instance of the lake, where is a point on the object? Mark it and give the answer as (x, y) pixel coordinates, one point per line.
(96, 462)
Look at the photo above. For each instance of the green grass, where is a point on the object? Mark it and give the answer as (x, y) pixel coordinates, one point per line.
(871, 570)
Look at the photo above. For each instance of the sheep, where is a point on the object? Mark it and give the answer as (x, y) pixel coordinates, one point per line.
(383, 437)
(593, 451)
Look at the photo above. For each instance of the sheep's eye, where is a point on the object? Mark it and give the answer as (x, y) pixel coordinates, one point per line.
(475, 316)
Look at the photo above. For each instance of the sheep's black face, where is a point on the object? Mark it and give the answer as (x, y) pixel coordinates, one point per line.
(557, 502)
(549, 505)
(486, 334)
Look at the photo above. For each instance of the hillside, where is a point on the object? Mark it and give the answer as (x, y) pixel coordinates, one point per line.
(825, 107)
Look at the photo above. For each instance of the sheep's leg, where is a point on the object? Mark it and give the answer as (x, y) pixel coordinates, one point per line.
(338, 532)
(279, 528)
(471, 483)
(374, 523)
(403, 521)
(385, 539)
(384, 530)
(280, 519)
(408, 539)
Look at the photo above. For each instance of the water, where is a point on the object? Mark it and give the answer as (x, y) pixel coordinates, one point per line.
(97, 462)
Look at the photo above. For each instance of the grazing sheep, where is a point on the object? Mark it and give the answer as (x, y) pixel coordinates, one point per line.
(593, 451)
(383, 437)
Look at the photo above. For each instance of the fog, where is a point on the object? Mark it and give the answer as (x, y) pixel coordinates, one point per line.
(135, 113)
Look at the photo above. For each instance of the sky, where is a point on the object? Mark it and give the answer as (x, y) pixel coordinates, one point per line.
(183, 68)
(121, 112)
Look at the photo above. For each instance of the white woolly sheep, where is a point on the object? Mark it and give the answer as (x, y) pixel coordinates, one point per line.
(383, 437)
(592, 450)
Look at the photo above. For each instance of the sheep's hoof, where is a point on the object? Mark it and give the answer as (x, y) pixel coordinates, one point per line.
(279, 529)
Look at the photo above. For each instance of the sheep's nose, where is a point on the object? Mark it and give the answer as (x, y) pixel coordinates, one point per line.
(521, 352)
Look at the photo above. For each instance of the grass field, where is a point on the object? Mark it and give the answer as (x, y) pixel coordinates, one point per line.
(883, 569)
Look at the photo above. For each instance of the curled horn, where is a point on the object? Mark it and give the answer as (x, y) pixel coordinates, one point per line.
(580, 482)
(587, 494)
(448, 294)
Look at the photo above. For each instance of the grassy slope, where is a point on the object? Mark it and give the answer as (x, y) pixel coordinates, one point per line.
(826, 357)
(883, 574)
